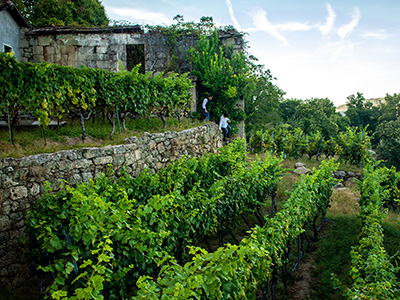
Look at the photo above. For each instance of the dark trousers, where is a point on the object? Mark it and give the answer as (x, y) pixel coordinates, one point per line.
(226, 131)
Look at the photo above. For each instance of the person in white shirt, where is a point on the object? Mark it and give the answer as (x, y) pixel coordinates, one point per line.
(224, 126)
(204, 109)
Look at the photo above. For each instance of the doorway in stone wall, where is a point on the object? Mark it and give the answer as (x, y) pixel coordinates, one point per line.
(135, 56)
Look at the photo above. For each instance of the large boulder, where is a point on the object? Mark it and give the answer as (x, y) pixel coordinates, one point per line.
(299, 165)
(302, 170)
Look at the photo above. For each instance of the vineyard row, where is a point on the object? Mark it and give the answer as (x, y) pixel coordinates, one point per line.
(53, 91)
(350, 146)
(372, 271)
(135, 237)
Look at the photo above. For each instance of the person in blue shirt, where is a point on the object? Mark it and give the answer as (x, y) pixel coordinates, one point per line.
(204, 108)
(224, 126)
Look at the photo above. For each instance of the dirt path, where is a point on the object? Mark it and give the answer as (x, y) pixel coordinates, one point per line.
(302, 286)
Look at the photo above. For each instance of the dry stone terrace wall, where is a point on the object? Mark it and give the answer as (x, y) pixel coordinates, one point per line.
(22, 181)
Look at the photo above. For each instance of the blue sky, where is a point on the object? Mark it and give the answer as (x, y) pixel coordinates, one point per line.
(315, 49)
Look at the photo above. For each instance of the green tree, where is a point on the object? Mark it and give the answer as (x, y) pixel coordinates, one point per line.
(361, 112)
(180, 36)
(222, 72)
(387, 141)
(386, 136)
(313, 115)
(288, 109)
(262, 104)
(80, 13)
(390, 109)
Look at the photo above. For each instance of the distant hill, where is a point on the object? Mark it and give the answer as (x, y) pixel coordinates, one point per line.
(375, 102)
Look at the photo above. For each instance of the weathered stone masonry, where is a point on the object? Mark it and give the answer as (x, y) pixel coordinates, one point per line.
(108, 48)
(22, 182)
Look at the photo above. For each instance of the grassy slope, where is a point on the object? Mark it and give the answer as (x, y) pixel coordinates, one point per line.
(29, 141)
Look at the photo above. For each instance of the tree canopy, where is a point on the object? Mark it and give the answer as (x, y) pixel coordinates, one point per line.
(262, 102)
(361, 112)
(79, 13)
(313, 115)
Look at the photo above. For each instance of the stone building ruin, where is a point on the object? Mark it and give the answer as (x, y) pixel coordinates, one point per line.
(114, 49)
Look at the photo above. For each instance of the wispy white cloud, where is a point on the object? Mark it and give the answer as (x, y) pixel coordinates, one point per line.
(232, 15)
(261, 23)
(332, 51)
(377, 35)
(330, 20)
(149, 17)
(346, 29)
(293, 26)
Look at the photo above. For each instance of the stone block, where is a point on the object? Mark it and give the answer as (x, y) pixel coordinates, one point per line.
(44, 40)
(101, 49)
(5, 209)
(4, 194)
(18, 192)
(58, 55)
(302, 170)
(35, 189)
(92, 152)
(49, 50)
(64, 59)
(118, 160)
(105, 160)
(37, 50)
(109, 150)
(75, 179)
(81, 164)
(5, 223)
(87, 176)
(90, 41)
(64, 165)
(161, 148)
(17, 216)
(24, 43)
(133, 146)
(49, 58)
(33, 41)
(130, 159)
(120, 149)
(138, 154)
(71, 60)
(70, 49)
(152, 145)
(37, 58)
(25, 205)
(21, 174)
(299, 165)
(104, 64)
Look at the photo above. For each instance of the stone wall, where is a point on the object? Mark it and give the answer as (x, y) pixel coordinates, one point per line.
(22, 181)
(92, 48)
(106, 47)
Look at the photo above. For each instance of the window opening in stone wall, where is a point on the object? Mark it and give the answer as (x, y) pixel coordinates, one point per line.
(135, 56)
(7, 49)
